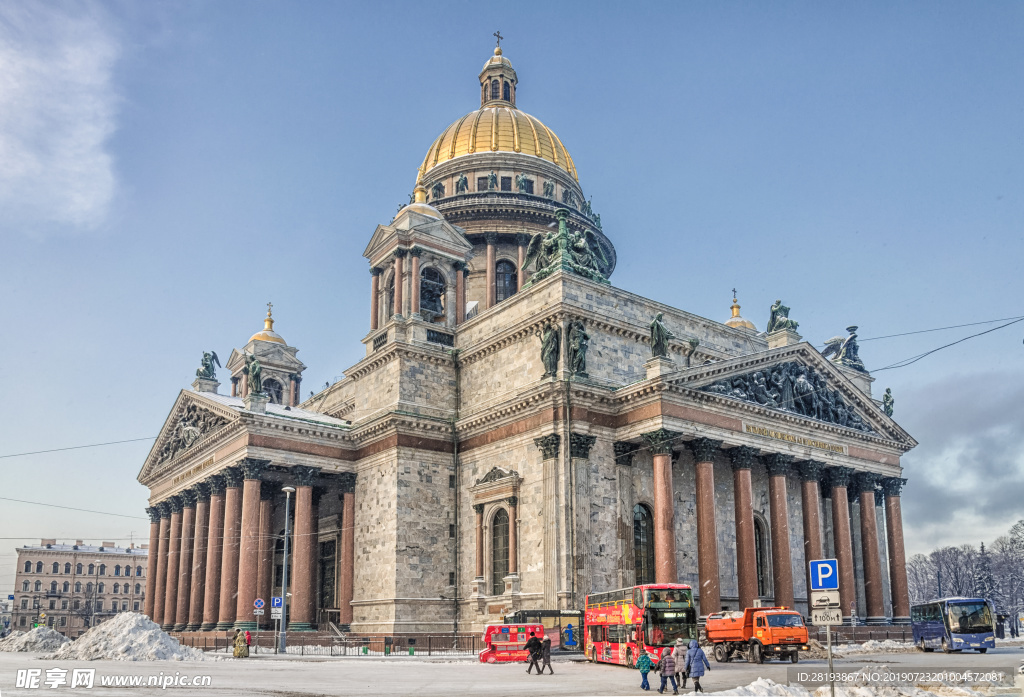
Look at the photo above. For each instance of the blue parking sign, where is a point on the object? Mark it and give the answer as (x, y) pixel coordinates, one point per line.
(824, 575)
(275, 601)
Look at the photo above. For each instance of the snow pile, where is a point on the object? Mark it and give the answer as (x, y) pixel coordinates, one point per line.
(763, 687)
(39, 639)
(873, 646)
(128, 637)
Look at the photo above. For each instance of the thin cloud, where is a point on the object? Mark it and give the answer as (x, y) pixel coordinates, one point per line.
(58, 108)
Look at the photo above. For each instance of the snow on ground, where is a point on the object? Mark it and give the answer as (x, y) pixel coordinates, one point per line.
(39, 639)
(128, 637)
(873, 646)
(763, 687)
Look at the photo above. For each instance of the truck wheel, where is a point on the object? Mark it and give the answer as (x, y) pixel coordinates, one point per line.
(756, 654)
(720, 655)
(794, 657)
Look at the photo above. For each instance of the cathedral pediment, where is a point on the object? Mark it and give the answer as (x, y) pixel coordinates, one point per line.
(192, 422)
(271, 355)
(411, 227)
(796, 380)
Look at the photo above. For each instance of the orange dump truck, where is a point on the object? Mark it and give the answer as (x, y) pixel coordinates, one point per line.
(757, 634)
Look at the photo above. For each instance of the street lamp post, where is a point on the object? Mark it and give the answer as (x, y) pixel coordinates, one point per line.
(283, 645)
(95, 592)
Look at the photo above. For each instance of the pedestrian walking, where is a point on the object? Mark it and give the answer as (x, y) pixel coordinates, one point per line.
(668, 671)
(534, 647)
(696, 663)
(644, 665)
(241, 650)
(545, 654)
(679, 657)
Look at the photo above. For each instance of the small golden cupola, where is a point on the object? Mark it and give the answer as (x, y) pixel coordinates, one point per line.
(498, 81)
(737, 322)
(268, 333)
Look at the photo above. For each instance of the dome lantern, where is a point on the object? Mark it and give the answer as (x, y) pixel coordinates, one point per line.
(498, 81)
(737, 322)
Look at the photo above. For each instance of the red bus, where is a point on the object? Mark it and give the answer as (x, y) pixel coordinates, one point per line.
(654, 615)
(505, 643)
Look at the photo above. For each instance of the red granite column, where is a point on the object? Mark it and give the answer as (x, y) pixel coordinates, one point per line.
(314, 558)
(660, 443)
(866, 483)
(265, 574)
(188, 530)
(743, 458)
(173, 561)
(300, 619)
(348, 545)
(460, 292)
(513, 535)
(839, 478)
(198, 595)
(153, 558)
(414, 281)
(374, 298)
(478, 509)
(492, 291)
(399, 280)
(521, 240)
(810, 502)
(782, 562)
(214, 553)
(226, 615)
(160, 594)
(704, 450)
(898, 586)
(249, 548)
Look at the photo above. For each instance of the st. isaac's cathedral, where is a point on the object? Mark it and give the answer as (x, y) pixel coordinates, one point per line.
(521, 432)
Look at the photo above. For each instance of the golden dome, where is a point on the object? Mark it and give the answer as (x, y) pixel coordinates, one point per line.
(498, 129)
(737, 322)
(268, 333)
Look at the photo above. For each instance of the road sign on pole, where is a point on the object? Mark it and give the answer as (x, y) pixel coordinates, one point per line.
(258, 611)
(824, 574)
(276, 601)
(826, 617)
(258, 603)
(824, 599)
(275, 613)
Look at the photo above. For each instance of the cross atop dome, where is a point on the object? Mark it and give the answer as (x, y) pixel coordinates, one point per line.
(500, 37)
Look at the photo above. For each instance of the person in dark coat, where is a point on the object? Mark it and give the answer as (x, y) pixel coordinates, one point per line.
(534, 647)
(696, 663)
(545, 654)
(667, 665)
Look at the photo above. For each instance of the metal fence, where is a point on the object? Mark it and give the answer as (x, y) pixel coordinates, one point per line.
(862, 634)
(301, 644)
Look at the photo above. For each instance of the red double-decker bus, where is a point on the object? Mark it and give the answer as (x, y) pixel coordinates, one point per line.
(654, 615)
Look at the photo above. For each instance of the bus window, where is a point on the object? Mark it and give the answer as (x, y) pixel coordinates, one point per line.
(597, 632)
(970, 618)
(638, 597)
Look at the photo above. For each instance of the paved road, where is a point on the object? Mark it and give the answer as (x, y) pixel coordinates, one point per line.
(292, 677)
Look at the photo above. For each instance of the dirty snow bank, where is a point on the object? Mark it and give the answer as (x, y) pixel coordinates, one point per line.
(128, 637)
(763, 687)
(39, 639)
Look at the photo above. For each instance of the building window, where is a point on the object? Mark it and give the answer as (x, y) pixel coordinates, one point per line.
(506, 92)
(103, 569)
(63, 621)
(88, 587)
(78, 568)
(39, 567)
(53, 586)
(24, 585)
(76, 604)
(506, 183)
(761, 553)
(24, 602)
(273, 389)
(67, 586)
(28, 567)
(138, 588)
(63, 605)
(506, 280)
(99, 606)
(22, 623)
(38, 586)
(67, 568)
(92, 569)
(99, 588)
(499, 551)
(55, 569)
(135, 606)
(138, 570)
(117, 588)
(53, 604)
(117, 570)
(495, 90)
(432, 295)
(127, 571)
(481, 183)
(328, 574)
(643, 544)
(78, 586)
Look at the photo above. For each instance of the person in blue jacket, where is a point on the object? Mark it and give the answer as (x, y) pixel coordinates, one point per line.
(696, 663)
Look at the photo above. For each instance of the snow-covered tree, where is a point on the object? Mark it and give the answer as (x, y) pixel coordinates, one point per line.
(985, 582)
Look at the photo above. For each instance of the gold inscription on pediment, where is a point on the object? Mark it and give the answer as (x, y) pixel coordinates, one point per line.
(793, 438)
(193, 471)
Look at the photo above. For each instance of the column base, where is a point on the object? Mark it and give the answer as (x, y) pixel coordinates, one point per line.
(878, 620)
(193, 627)
(246, 626)
(167, 627)
(901, 620)
(300, 627)
(225, 625)
(511, 584)
(180, 627)
(207, 626)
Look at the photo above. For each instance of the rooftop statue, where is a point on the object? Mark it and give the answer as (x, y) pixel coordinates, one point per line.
(492, 181)
(207, 371)
(437, 190)
(659, 337)
(579, 252)
(578, 341)
(888, 402)
(550, 348)
(521, 182)
(255, 372)
(779, 319)
(845, 351)
(549, 189)
(461, 184)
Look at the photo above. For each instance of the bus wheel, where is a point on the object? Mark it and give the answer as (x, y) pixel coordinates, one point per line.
(945, 646)
(720, 654)
(982, 650)
(921, 646)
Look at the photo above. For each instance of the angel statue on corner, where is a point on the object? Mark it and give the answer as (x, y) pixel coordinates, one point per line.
(206, 371)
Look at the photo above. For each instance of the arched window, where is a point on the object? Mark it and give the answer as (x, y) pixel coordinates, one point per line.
(78, 587)
(117, 588)
(103, 569)
(39, 586)
(24, 585)
(67, 586)
(138, 570)
(499, 551)
(53, 586)
(495, 90)
(274, 390)
(643, 544)
(67, 568)
(78, 568)
(506, 279)
(92, 569)
(99, 587)
(28, 567)
(39, 567)
(432, 292)
(127, 570)
(138, 588)
(506, 92)
(88, 587)
(763, 560)
(55, 569)
(117, 570)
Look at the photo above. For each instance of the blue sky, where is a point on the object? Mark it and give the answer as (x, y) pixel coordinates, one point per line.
(168, 168)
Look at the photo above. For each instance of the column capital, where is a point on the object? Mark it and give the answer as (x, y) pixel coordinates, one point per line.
(217, 484)
(267, 490)
(415, 252)
(661, 442)
(347, 482)
(154, 513)
(253, 468)
(624, 452)
(376, 271)
(513, 501)
(188, 498)
(777, 464)
(866, 481)
(810, 470)
(459, 265)
(165, 509)
(491, 237)
(478, 508)
(232, 476)
(893, 486)
(400, 253)
(522, 239)
(580, 445)
(838, 476)
(704, 449)
(175, 504)
(305, 476)
(548, 445)
(743, 457)
(202, 490)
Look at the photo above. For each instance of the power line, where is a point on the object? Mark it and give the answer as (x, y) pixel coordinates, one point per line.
(914, 359)
(78, 447)
(939, 329)
(69, 508)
